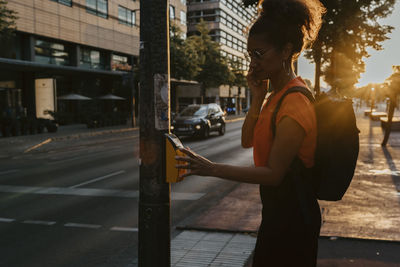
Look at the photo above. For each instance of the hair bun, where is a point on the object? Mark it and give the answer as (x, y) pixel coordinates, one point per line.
(289, 21)
(305, 13)
(274, 8)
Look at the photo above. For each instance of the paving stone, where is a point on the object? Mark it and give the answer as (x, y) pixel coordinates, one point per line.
(191, 235)
(218, 237)
(211, 249)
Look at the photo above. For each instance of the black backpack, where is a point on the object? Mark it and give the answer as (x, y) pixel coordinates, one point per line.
(337, 143)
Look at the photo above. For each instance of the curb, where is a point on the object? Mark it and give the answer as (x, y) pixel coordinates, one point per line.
(237, 119)
(95, 133)
(77, 136)
(334, 238)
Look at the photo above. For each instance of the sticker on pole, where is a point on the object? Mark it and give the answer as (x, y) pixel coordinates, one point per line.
(161, 101)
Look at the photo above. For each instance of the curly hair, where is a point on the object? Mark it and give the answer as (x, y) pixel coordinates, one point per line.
(289, 21)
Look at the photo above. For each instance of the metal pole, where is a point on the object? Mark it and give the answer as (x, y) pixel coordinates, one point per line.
(154, 192)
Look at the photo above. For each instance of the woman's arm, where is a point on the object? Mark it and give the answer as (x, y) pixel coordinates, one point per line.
(288, 139)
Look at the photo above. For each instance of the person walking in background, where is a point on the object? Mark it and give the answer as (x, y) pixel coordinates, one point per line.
(291, 220)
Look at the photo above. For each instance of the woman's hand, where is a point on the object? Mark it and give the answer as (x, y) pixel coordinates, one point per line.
(258, 87)
(195, 164)
(258, 92)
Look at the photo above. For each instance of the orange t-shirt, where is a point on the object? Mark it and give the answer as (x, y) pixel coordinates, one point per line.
(296, 106)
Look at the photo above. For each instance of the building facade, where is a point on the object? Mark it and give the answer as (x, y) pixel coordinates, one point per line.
(228, 22)
(87, 47)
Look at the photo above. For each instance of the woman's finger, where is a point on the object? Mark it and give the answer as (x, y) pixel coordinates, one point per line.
(183, 166)
(185, 159)
(187, 152)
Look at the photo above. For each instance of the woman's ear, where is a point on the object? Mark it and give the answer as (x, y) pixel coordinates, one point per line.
(287, 51)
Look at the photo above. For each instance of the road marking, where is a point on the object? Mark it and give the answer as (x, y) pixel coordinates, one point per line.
(8, 172)
(98, 179)
(124, 229)
(39, 222)
(235, 120)
(6, 220)
(39, 145)
(90, 192)
(83, 225)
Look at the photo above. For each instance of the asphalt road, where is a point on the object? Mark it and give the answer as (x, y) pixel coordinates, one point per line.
(75, 202)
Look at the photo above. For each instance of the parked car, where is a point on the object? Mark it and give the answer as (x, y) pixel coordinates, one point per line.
(199, 120)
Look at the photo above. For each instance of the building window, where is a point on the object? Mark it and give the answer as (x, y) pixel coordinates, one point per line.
(126, 16)
(91, 59)
(183, 17)
(183, 2)
(171, 12)
(97, 7)
(51, 53)
(121, 63)
(64, 2)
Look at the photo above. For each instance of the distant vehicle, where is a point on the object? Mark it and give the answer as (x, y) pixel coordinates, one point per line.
(199, 120)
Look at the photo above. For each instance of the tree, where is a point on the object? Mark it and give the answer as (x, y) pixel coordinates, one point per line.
(309, 83)
(7, 20)
(239, 77)
(393, 83)
(365, 92)
(214, 67)
(184, 58)
(348, 29)
(239, 80)
(7, 29)
(343, 75)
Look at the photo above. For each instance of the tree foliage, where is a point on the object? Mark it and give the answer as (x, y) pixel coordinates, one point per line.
(350, 27)
(390, 88)
(199, 58)
(214, 67)
(394, 81)
(7, 20)
(239, 77)
(185, 62)
(379, 91)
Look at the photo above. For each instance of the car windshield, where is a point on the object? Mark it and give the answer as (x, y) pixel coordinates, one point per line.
(194, 111)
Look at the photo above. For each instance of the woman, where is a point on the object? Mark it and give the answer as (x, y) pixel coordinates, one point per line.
(288, 234)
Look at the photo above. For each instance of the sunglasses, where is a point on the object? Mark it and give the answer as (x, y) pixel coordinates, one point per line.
(256, 54)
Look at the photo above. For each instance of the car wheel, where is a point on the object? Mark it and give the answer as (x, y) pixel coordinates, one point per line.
(222, 129)
(206, 132)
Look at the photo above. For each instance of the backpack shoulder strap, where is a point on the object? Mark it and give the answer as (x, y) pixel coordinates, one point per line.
(295, 89)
